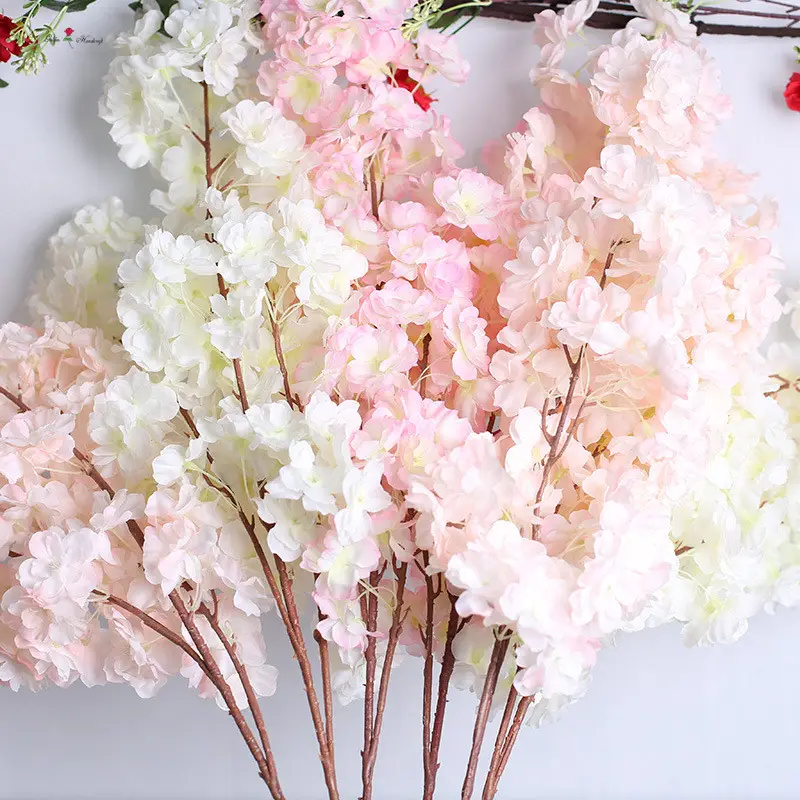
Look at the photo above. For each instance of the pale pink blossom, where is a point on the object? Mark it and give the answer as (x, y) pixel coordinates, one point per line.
(465, 330)
(440, 53)
(470, 200)
(590, 315)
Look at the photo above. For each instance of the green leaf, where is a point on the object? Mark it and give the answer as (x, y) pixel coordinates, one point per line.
(69, 5)
(3, 83)
(166, 6)
(448, 17)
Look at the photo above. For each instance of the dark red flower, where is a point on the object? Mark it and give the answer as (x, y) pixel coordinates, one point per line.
(7, 47)
(792, 92)
(405, 81)
(69, 31)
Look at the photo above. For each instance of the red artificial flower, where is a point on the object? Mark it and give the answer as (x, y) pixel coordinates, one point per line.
(7, 47)
(69, 31)
(405, 81)
(792, 92)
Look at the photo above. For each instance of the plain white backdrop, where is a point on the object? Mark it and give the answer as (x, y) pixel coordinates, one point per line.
(660, 721)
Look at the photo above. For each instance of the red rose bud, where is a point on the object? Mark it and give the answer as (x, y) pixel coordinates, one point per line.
(405, 81)
(792, 92)
(7, 47)
(69, 31)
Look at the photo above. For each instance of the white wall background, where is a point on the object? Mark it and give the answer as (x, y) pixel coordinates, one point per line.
(660, 721)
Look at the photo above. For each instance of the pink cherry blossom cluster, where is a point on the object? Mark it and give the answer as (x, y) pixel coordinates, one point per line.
(486, 419)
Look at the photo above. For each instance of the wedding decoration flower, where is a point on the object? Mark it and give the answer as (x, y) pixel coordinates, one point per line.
(8, 47)
(486, 419)
(792, 92)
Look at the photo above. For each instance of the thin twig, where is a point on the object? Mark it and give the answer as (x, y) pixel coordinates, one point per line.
(301, 653)
(616, 15)
(369, 611)
(482, 717)
(394, 634)
(205, 141)
(499, 742)
(423, 364)
(252, 700)
(427, 682)
(555, 439)
(188, 419)
(292, 399)
(445, 675)
(327, 689)
(227, 695)
(519, 718)
(160, 629)
(242, 393)
(557, 446)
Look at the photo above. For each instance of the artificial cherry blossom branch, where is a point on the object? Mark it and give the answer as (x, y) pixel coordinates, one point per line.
(287, 609)
(557, 447)
(324, 730)
(211, 668)
(284, 601)
(205, 142)
(505, 740)
(468, 258)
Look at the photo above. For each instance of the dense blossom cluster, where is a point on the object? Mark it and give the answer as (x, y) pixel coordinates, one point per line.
(493, 419)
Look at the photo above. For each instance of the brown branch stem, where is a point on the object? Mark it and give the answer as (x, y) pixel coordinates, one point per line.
(160, 629)
(369, 611)
(482, 716)
(445, 675)
(519, 717)
(292, 399)
(301, 653)
(499, 743)
(327, 689)
(252, 699)
(383, 690)
(205, 142)
(227, 695)
(616, 15)
(427, 674)
(557, 447)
